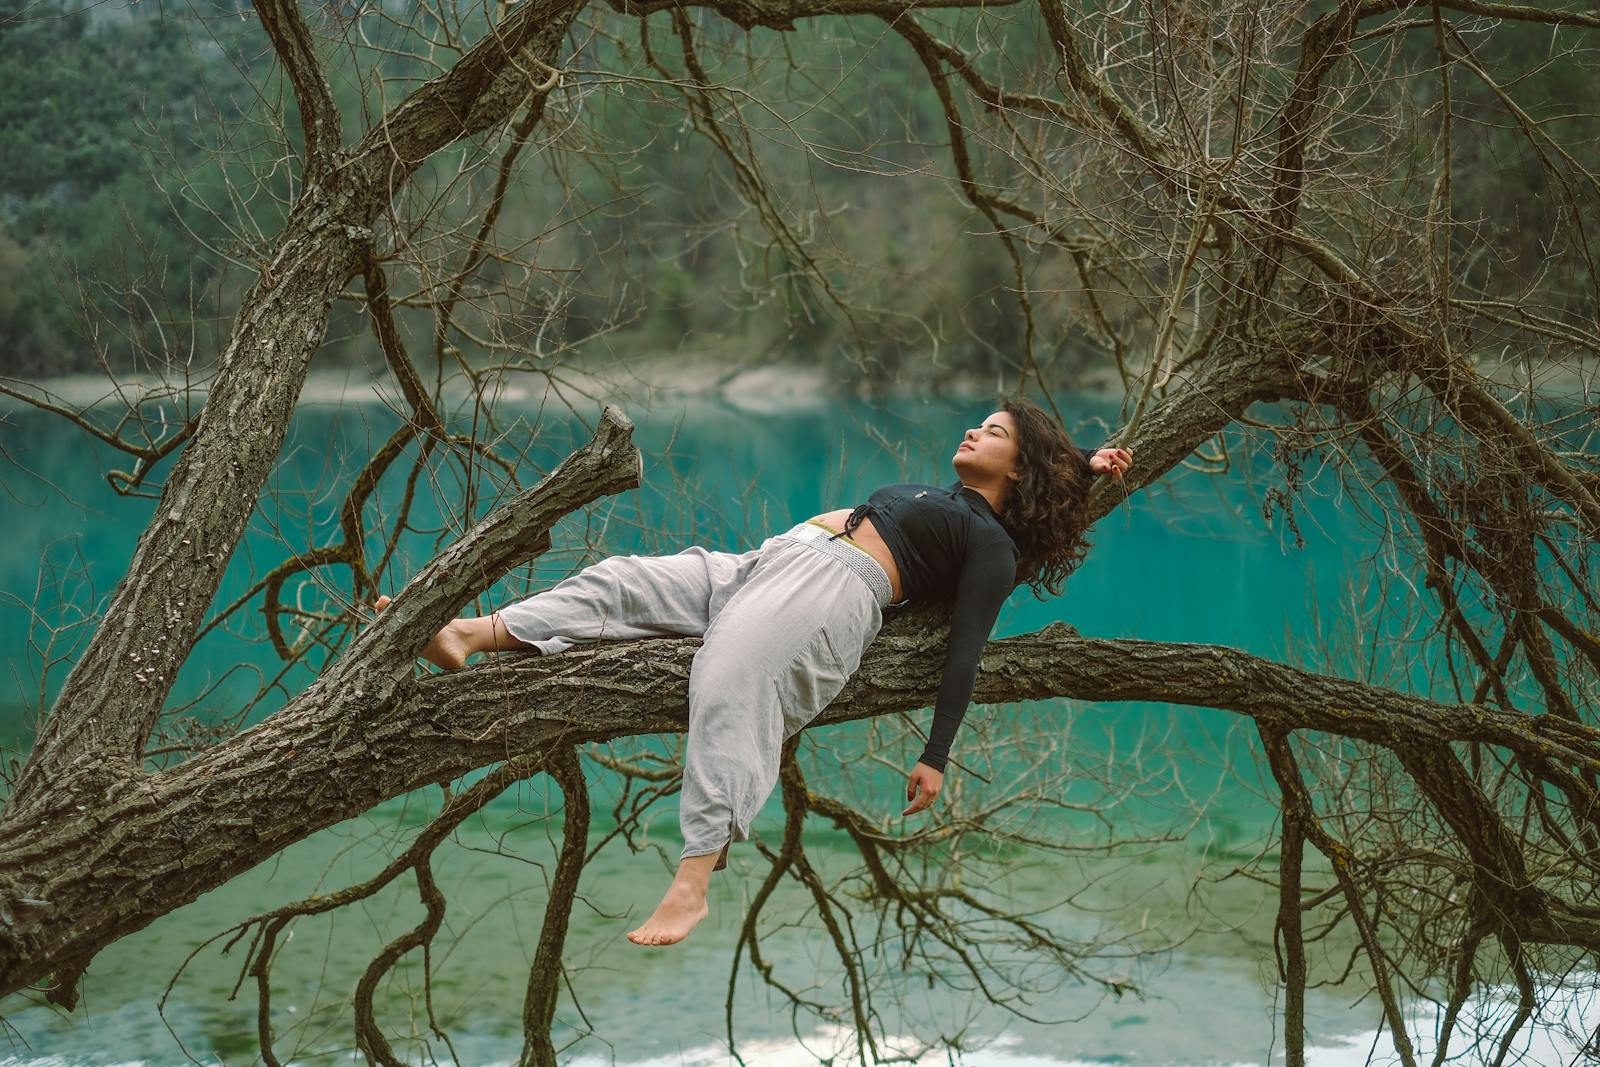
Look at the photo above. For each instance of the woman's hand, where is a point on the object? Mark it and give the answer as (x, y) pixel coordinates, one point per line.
(1112, 461)
(923, 785)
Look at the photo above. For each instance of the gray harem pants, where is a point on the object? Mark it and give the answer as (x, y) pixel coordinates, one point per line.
(784, 627)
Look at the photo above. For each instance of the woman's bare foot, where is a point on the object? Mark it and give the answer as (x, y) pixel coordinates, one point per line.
(449, 648)
(678, 913)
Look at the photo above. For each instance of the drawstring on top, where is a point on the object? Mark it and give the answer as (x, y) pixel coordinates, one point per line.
(860, 512)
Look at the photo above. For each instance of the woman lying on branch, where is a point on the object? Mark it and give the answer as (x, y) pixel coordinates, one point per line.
(785, 625)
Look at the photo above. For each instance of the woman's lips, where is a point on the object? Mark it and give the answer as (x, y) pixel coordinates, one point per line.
(963, 445)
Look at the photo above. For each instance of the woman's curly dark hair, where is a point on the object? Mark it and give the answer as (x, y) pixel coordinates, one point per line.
(1046, 515)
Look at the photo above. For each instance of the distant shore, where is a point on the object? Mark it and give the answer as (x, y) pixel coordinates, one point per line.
(771, 388)
(678, 379)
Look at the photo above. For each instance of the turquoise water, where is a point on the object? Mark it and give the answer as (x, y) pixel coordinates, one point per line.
(1192, 559)
(1188, 560)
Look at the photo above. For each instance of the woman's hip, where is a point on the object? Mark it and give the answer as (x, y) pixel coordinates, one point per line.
(800, 607)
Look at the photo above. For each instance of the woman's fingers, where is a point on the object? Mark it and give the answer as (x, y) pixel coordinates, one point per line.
(1118, 460)
(920, 795)
(1112, 461)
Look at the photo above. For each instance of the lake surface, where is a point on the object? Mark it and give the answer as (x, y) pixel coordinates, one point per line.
(1192, 559)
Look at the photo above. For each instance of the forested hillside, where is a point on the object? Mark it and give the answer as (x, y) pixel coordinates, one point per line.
(140, 176)
(100, 105)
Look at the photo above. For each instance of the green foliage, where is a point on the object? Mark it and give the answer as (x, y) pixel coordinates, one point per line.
(85, 90)
(638, 225)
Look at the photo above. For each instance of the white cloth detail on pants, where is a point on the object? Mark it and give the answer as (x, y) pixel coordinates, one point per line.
(784, 627)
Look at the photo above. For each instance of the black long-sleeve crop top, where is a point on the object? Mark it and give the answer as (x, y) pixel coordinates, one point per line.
(947, 543)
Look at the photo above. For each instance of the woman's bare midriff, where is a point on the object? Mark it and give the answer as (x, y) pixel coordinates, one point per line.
(866, 536)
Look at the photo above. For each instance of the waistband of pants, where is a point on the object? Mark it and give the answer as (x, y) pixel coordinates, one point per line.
(857, 559)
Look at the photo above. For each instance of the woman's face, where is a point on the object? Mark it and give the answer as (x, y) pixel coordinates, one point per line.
(988, 453)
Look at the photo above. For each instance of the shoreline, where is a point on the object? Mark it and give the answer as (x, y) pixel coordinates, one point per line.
(762, 390)
(758, 390)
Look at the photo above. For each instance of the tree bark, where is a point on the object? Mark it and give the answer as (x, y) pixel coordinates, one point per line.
(69, 886)
(86, 861)
(111, 700)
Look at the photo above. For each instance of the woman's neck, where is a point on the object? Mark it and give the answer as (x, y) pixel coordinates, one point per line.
(995, 495)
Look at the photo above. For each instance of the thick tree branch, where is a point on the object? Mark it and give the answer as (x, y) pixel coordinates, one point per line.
(1323, 46)
(1214, 394)
(544, 975)
(337, 752)
(513, 533)
(513, 60)
(319, 115)
(113, 697)
(110, 702)
(1138, 137)
(365, 680)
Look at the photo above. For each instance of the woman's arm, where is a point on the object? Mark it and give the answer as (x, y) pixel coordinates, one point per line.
(986, 580)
